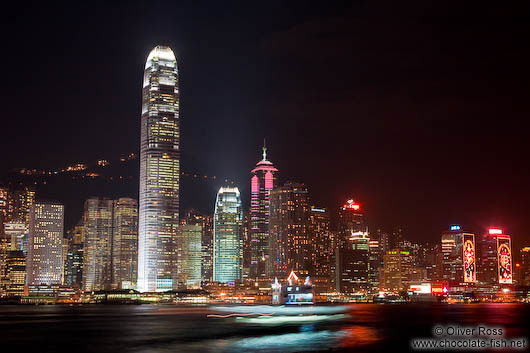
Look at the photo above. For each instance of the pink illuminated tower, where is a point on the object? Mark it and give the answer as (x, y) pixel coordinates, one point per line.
(262, 182)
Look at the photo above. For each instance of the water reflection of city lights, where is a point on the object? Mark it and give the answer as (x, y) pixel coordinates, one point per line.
(300, 319)
(354, 336)
(290, 342)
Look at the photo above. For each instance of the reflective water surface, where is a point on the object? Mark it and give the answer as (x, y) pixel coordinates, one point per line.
(160, 328)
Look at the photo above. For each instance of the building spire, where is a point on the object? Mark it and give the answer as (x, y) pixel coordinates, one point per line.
(264, 150)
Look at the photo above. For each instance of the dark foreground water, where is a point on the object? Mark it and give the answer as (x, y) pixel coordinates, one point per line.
(159, 328)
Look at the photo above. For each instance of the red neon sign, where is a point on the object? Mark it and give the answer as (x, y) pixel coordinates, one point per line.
(438, 288)
(351, 205)
(493, 231)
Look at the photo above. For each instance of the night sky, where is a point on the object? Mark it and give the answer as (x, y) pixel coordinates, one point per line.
(418, 111)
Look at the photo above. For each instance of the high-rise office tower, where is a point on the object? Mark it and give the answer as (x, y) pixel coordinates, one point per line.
(263, 180)
(68, 258)
(376, 264)
(246, 245)
(396, 271)
(495, 258)
(189, 250)
(383, 238)
(458, 256)
(206, 223)
(97, 223)
(353, 249)
(321, 239)
(17, 233)
(159, 172)
(15, 273)
(74, 262)
(20, 202)
(227, 243)
(66, 255)
(44, 258)
(397, 238)
(290, 246)
(525, 267)
(4, 204)
(15, 206)
(125, 243)
(433, 262)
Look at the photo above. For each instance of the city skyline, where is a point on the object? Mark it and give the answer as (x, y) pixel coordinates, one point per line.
(281, 176)
(392, 123)
(160, 265)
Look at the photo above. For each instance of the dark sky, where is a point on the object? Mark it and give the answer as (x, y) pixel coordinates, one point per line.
(419, 111)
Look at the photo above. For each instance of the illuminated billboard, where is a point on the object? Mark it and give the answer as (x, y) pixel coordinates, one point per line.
(504, 258)
(351, 205)
(469, 259)
(438, 288)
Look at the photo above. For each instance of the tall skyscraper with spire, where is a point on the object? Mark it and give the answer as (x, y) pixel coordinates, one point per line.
(264, 179)
(159, 172)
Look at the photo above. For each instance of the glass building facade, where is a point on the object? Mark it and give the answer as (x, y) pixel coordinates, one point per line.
(45, 247)
(15, 273)
(189, 246)
(97, 223)
(159, 173)
(228, 225)
(125, 243)
(193, 217)
(74, 262)
(353, 252)
(290, 243)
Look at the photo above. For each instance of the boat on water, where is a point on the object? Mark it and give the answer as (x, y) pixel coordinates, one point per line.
(263, 310)
(293, 292)
(292, 303)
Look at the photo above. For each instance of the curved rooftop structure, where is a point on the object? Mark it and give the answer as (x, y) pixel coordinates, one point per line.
(160, 52)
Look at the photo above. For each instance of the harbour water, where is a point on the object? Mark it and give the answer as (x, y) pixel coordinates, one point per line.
(161, 328)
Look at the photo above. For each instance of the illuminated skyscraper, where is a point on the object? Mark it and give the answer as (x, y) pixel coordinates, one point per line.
(227, 243)
(206, 223)
(17, 232)
(321, 239)
(4, 202)
(396, 271)
(159, 172)
(495, 258)
(524, 270)
(189, 249)
(376, 264)
(125, 243)
(97, 223)
(454, 258)
(246, 245)
(290, 247)
(353, 249)
(20, 202)
(262, 182)
(74, 262)
(44, 258)
(433, 262)
(15, 273)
